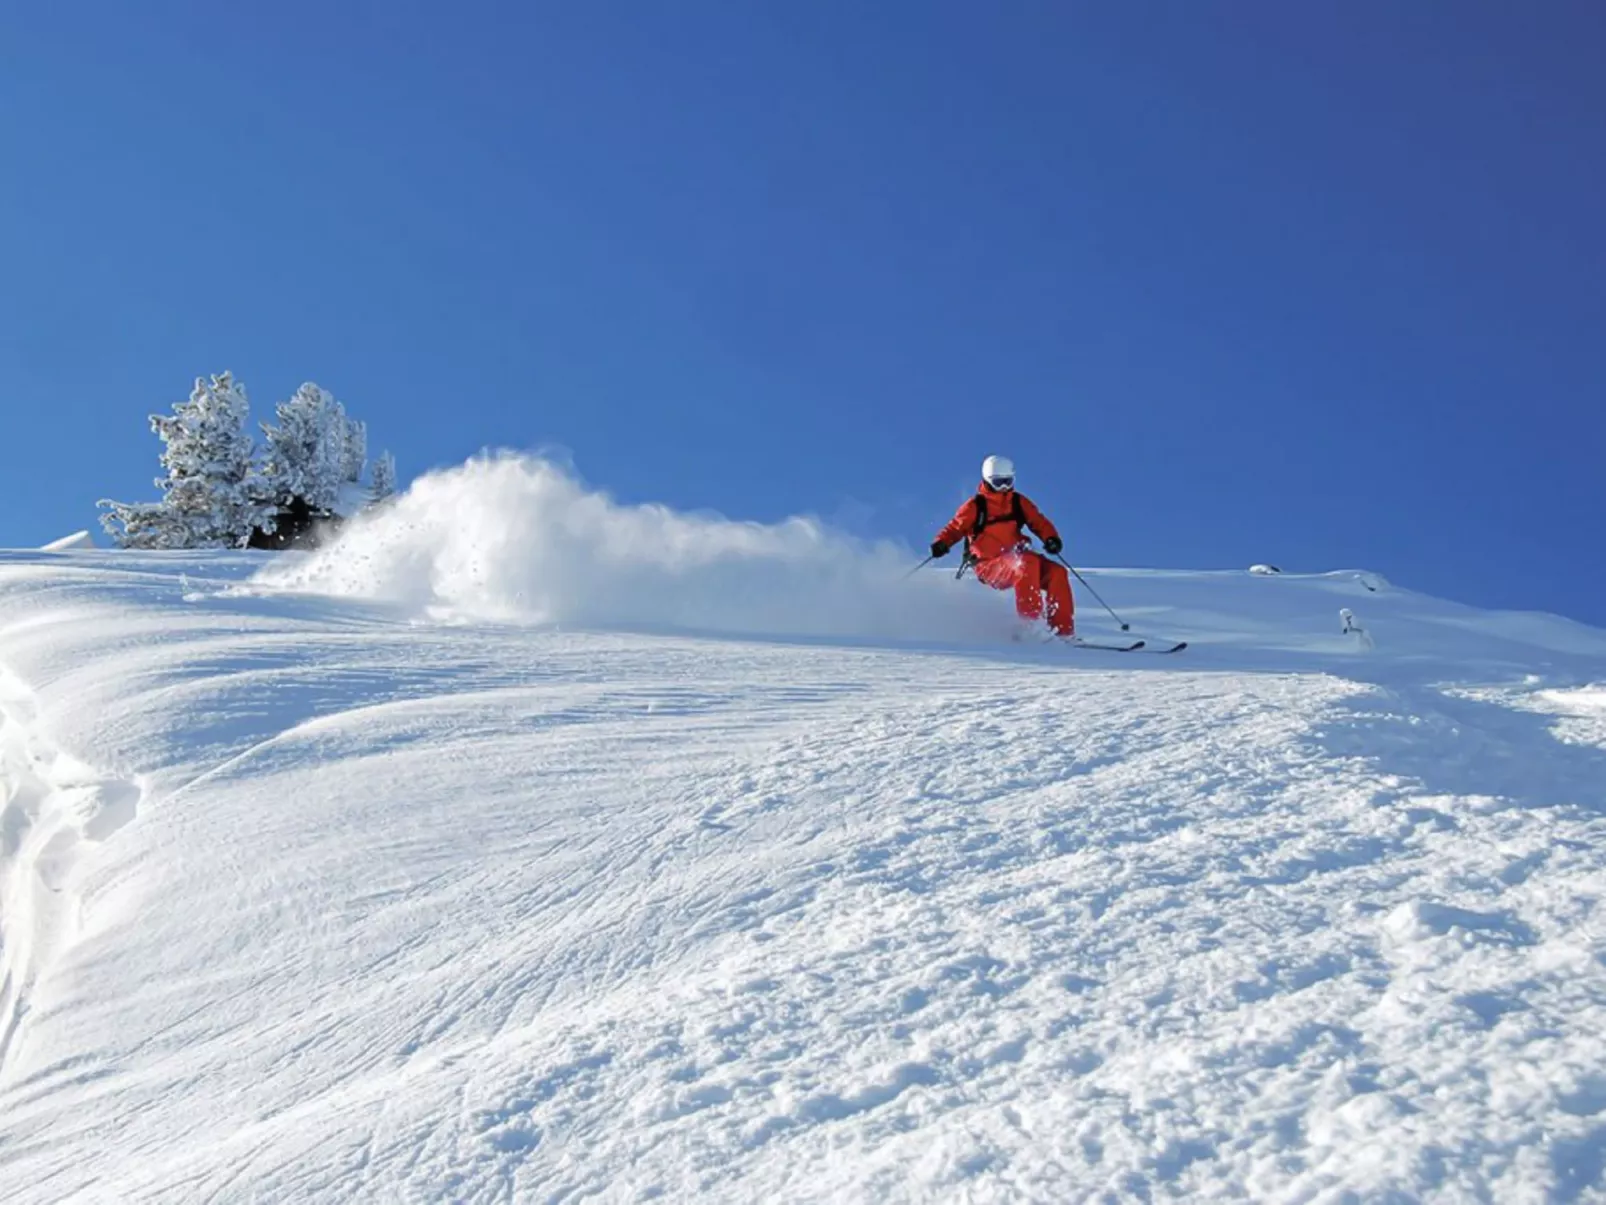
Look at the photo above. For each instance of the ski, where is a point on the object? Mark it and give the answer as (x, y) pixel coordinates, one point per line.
(1137, 646)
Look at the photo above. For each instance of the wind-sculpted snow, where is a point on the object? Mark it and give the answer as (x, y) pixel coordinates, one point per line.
(303, 899)
(516, 538)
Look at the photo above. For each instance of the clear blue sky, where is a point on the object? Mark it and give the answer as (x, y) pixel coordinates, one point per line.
(1320, 284)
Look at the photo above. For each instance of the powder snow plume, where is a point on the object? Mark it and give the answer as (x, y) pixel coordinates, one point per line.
(517, 538)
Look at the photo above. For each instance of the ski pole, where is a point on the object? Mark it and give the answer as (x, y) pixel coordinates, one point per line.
(919, 567)
(1125, 627)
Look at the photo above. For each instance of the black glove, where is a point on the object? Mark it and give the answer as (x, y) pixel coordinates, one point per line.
(1052, 545)
(938, 550)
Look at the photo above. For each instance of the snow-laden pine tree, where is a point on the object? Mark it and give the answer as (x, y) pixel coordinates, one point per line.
(306, 453)
(384, 477)
(211, 496)
(355, 459)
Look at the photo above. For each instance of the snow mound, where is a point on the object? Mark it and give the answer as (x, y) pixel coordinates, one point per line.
(78, 539)
(518, 539)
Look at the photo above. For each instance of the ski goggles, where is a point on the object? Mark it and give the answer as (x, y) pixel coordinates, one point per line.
(1001, 483)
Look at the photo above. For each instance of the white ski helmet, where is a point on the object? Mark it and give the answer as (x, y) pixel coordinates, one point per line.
(998, 472)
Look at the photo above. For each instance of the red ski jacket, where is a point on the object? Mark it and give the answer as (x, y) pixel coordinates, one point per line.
(997, 528)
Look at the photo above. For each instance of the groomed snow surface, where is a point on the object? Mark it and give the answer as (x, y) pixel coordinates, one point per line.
(526, 846)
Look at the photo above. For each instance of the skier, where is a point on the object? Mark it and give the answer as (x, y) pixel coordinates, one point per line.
(993, 524)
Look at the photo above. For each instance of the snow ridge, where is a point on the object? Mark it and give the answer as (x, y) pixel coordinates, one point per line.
(49, 804)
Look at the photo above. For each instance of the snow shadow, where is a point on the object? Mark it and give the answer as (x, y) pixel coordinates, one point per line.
(1453, 745)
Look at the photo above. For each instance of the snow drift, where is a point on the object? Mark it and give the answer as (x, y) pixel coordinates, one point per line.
(77, 542)
(515, 538)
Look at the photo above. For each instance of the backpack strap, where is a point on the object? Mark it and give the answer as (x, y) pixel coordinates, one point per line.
(1017, 514)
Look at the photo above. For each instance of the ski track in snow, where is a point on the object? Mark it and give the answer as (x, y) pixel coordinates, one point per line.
(356, 908)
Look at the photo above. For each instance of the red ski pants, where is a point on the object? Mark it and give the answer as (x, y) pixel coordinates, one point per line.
(1032, 575)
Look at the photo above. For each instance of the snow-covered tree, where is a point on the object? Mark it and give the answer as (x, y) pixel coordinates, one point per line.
(355, 458)
(144, 525)
(305, 455)
(384, 478)
(211, 497)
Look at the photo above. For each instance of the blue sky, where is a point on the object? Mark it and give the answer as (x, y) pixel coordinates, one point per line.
(1318, 284)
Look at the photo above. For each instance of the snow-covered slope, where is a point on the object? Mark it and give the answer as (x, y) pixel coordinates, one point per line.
(526, 846)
